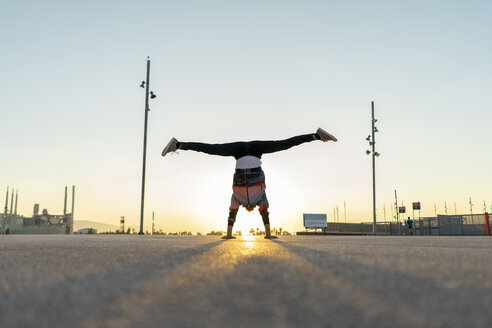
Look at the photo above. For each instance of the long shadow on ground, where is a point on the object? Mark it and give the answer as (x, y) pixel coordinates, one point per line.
(70, 301)
(438, 303)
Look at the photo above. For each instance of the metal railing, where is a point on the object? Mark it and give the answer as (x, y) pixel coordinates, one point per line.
(442, 225)
(452, 225)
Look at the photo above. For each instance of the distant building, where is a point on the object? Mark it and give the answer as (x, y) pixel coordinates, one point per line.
(45, 223)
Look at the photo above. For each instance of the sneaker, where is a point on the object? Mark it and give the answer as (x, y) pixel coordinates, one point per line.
(325, 136)
(171, 146)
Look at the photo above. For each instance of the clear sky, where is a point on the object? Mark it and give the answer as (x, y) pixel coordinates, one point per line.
(72, 111)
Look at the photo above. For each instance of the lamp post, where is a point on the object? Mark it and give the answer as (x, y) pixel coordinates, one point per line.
(145, 84)
(372, 142)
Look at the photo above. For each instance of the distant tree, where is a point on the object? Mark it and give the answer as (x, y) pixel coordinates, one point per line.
(216, 233)
(128, 231)
(198, 233)
(239, 233)
(251, 231)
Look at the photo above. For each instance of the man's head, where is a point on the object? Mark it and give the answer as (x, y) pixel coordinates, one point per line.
(249, 208)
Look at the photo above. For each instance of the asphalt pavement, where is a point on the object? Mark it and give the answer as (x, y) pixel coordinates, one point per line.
(203, 281)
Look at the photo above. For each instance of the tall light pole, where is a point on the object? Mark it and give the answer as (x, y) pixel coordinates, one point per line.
(145, 84)
(372, 143)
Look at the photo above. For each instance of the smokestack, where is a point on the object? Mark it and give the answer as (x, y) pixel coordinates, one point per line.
(6, 202)
(72, 216)
(16, 196)
(35, 210)
(12, 201)
(65, 203)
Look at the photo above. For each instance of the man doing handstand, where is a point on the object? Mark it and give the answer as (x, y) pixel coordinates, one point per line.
(249, 179)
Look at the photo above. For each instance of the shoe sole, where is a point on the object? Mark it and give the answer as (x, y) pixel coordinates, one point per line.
(329, 136)
(168, 147)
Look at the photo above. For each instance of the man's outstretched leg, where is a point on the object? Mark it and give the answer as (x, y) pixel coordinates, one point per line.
(257, 148)
(227, 149)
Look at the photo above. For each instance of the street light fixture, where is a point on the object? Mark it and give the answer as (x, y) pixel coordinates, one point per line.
(145, 84)
(372, 143)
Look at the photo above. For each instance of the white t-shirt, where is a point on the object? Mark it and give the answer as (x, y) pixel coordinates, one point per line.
(248, 162)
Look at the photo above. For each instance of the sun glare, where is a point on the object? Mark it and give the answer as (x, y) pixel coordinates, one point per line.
(248, 221)
(248, 247)
(249, 239)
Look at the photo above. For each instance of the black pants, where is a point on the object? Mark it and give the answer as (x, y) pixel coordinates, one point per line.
(243, 148)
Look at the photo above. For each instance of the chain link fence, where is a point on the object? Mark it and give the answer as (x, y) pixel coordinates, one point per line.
(442, 225)
(452, 225)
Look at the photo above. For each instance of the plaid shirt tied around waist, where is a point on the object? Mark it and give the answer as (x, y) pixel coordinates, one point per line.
(248, 177)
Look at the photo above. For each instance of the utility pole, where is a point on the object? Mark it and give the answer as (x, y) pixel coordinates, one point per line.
(384, 211)
(397, 212)
(372, 142)
(455, 213)
(471, 207)
(446, 208)
(122, 225)
(152, 222)
(147, 109)
(345, 211)
(435, 210)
